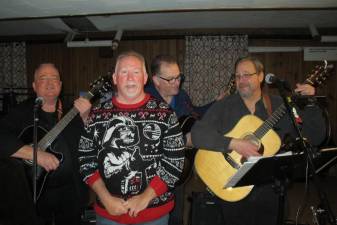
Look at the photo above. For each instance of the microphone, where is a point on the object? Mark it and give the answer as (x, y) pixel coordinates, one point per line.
(39, 101)
(272, 79)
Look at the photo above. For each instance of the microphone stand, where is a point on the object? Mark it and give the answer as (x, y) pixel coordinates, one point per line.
(307, 149)
(35, 147)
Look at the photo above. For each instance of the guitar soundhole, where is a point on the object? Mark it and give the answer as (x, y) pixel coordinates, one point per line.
(261, 149)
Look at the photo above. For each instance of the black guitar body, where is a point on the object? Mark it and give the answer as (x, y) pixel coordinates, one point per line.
(41, 174)
(186, 123)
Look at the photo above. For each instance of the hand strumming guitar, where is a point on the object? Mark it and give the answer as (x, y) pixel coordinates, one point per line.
(244, 147)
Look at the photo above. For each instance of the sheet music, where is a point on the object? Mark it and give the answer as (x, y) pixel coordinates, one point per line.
(246, 166)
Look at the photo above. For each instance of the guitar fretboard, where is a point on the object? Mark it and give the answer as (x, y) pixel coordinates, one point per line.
(50, 137)
(270, 122)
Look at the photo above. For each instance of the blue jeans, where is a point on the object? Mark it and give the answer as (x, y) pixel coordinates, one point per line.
(161, 221)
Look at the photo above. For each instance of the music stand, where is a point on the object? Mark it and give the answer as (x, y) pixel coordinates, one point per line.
(276, 169)
(262, 170)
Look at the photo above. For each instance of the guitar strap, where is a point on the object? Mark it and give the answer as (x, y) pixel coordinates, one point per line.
(267, 103)
(59, 109)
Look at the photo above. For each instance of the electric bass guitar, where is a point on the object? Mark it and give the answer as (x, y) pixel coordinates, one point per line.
(216, 168)
(47, 139)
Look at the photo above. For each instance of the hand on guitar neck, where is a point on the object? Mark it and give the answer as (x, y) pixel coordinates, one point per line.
(305, 89)
(44, 159)
(83, 106)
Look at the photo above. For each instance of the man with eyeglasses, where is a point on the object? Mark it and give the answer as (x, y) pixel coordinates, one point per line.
(166, 81)
(166, 85)
(260, 207)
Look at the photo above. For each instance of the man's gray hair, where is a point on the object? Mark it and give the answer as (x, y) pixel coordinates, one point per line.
(133, 54)
(257, 63)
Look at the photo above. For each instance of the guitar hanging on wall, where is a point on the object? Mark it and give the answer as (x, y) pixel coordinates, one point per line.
(46, 138)
(216, 168)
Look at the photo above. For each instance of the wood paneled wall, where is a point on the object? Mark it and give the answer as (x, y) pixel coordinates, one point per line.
(80, 66)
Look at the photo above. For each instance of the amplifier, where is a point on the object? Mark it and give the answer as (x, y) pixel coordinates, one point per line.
(204, 210)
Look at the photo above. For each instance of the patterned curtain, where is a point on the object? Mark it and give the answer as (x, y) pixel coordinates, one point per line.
(13, 79)
(209, 64)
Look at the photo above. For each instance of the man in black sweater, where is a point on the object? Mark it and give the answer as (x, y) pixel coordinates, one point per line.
(62, 193)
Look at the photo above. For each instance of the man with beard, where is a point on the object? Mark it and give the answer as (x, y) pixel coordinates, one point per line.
(261, 205)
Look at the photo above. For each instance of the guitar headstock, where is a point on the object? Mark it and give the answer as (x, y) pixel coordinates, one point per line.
(231, 85)
(100, 86)
(231, 88)
(319, 74)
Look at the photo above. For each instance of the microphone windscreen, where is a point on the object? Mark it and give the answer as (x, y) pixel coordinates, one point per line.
(39, 101)
(269, 78)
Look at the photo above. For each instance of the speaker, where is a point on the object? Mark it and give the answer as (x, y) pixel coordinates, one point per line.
(204, 210)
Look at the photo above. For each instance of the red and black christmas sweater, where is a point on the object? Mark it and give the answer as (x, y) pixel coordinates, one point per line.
(131, 147)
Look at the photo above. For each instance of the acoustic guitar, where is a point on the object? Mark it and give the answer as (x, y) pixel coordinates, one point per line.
(186, 124)
(216, 168)
(47, 140)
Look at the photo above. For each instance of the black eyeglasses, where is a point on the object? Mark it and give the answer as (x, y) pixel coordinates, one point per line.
(244, 76)
(179, 78)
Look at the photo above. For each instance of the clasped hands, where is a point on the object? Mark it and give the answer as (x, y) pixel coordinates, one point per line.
(118, 206)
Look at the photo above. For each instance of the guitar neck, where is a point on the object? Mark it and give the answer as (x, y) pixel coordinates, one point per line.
(270, 122)
(46, 141)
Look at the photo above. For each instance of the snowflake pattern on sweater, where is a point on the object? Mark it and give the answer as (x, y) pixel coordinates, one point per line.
(131, 144)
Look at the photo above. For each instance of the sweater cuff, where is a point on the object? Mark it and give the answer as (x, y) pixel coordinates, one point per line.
(226, 142)
(92, 178)
(158, 185)
(12, 148)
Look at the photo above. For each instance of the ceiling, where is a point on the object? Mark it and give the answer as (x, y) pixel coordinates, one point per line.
(61, 20)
